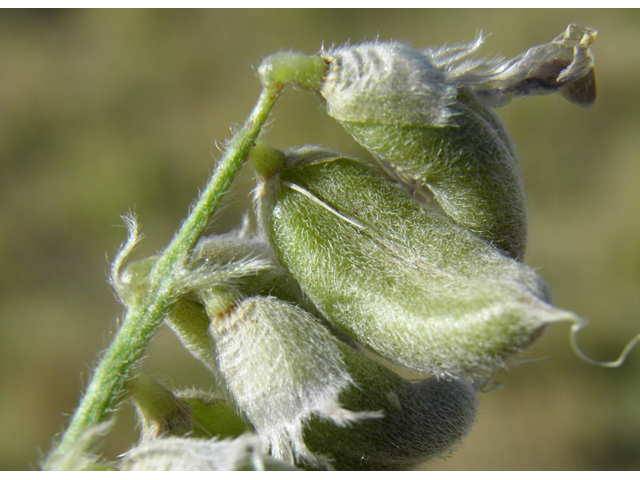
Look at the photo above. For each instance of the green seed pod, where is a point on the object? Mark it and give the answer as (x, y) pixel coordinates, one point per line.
(469, 165)
(406, 282)
(420, 112)
(280, 366)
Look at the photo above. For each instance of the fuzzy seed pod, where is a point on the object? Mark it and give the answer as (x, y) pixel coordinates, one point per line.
(406, 282)
(420, 111)
(280, 367)
(468, 165)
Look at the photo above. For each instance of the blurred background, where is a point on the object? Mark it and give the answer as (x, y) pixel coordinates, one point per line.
(102, 112)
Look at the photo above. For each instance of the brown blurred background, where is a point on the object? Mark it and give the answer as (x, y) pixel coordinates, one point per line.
(106, 111)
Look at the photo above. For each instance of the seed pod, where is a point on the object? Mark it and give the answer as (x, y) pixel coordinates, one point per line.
(273, 360)
(469, 165)
(420, 112)
(280, 367)
(408, 283)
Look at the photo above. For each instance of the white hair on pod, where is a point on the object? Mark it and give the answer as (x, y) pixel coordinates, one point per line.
(189, 454)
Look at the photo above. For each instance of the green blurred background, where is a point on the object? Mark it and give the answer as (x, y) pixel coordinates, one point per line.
(106, 111)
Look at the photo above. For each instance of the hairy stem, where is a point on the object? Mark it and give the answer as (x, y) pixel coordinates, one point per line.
(141, 322)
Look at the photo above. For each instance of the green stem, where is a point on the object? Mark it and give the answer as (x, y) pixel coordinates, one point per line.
(141, 322)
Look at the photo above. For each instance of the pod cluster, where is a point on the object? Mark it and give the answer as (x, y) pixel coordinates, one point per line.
(416, 256)
(311, 397)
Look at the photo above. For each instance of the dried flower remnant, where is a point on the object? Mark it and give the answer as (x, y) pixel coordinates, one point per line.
(565, 65)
